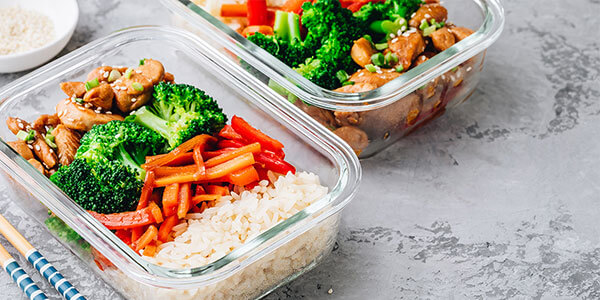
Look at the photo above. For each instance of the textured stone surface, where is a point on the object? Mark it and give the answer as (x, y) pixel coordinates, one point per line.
(496, 199)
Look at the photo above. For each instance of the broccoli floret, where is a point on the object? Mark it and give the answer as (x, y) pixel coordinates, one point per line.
(64, 232)
(179, 112)
(128, 143)
(388, 10)
(103, 187)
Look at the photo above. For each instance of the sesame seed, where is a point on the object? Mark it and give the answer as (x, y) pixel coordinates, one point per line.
(443, 77)
(413, 15)
(394, 40)
(399, 32)
(392, 35)
(80, 108)
(361, 74)
(118, 81)
(452, 78)
(51, 150)
(45, 165)
(21, 125)
(87, 105)
(133, 99)
(109, 112)
(37, 148)
(403, 28)
(30, 147)
(379, 72)
(469, 69)
(138, 71)
(427, 16)
(70, 119)
(105, 75)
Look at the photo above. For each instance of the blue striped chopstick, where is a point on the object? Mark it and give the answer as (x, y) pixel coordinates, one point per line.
(18, 275)
(39, 262)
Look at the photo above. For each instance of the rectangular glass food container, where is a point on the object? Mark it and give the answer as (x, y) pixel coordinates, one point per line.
(275, 257)
(373, 120)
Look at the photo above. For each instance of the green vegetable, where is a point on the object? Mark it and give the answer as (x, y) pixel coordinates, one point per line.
(128, 73)
(371, 68)
(345, 83)
(137, 86)
(342, 75)
(79, 100)
(292, 98)
(26, 136)
(429, 30)
(64, 232)
(49, 138)
(391, 59)
(142, 61)
(114, 75)
(91, 84)
(381, 46)
(368, 38)
(388, 10)
(399, 69)
(378, 59)
(423, 25)
(179, 112)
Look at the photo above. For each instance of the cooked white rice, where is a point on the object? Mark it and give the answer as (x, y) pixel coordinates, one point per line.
(236, 219)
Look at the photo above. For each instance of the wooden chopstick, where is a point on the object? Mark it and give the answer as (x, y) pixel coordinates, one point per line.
(39, 262)
(20, 277)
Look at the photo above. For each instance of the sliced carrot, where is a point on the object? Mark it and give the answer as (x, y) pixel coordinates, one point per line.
(178, 178)
(150, 249)
(185, 194)
(243, 176)
(251, 148)
(170, 197)
(198, 160)
(230, 144)
(211, 154)
(217, 189)
(146, 190)
(234, 10)
(166, 227)
(203, 207)
(230, 166)
(156, 212)
(182, 159)
(188, 145)
(168, 171)
(206, 197)
(148, 236)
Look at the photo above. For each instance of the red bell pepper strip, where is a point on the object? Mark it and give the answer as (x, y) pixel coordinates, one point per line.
(124, 235)
(252, 134)
(271, 162)
(294, 6)
(230, 144)
(229, 133)
(257, 12)
(124, 220)
(199, 190)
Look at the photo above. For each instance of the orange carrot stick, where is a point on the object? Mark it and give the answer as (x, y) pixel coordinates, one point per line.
(169, 171)
(181, 149)
(148, 236)
(178, 178)
(251, 148)
(146, 190)
(198, 160)
(243, 176)
(150, 249)
(217, 189)
(156, 212)
(169, 201)
(166, 227)
(185, 194)
(206, 197)
(230, 166)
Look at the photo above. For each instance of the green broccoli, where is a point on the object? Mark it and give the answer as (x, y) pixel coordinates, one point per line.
(388, 10)
(179, 112)
(128, 143)
(103, 187)
(64, 232)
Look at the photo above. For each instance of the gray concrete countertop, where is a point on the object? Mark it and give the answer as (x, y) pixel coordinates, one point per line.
(496, 199)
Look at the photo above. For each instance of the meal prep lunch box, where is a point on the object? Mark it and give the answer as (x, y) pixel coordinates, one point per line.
(273, 258)
(372, 120)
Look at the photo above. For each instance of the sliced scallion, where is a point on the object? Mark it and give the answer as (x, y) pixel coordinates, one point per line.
(378, 59)
(142, 61)
(423, 25)
(345, 83)
(79, 100)
(391, 59)
(114, 75)
(26, 136)
(91, 84)
(371, 68)
(128, 73)
(381, 46)
(342, 75)
(137, 86)
(49, 138)
(429, 30)
(400, 69)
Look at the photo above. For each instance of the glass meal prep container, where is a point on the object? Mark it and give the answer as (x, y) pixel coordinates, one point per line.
(275, 257)
(368, 121)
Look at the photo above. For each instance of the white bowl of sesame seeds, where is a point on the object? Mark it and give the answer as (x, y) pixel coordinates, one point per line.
(34, 31)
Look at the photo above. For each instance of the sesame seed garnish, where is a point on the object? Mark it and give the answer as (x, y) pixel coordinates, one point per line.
(30, 146)
(427, 16)
(138, 71)
(452, 78)
(118, 81)
(469, 69)
(413, 15)
(403, 28)
(394, 40)
(392, 35)
(21, 125)
(87, 105)
(70, 119)
(443, 77)
(80, 107)
(399, 32)
(109, 112)
(37, 148)
(133, 99)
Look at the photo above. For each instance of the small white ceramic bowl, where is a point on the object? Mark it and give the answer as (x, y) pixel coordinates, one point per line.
(63, 14)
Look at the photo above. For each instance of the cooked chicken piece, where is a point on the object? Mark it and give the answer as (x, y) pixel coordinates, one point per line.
(73, 88)
(357, 87)
(362, 51)
(323, 116)
(356, 138)
(44, 121)
(461, 33)
(407, 48)
(127, 97)
(38, 165)
(442, 39)
(77, 117)
(100, 73)
(423, 58)
(153, 70)
(44, 152)
(22, 149)
(16, 124)
(344, 118)
(375, 78)
(67, 142)
(393, 117)
(100, 96)
(428, 12)
(169, 77)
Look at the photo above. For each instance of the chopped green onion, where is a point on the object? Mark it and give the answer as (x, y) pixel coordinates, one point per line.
(348, 83)
(400, 21)
(137, 86)
(26, 136)
(49, 138)
(400, 69)
(128, 73)
(292, 98)
(371, 68)
(376, 27)
(277, 88)
(423, 25)
(79, 100)
(381, 46)
(114, 75)
(429, 30)
(454, 69)
(91, 84)
(378, 59)
(342, 75)
(441, 24)
(368, 38)
(142, 61)
(391, 59)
